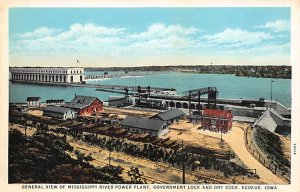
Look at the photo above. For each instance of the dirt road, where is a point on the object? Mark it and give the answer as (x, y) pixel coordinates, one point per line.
(154, 172)
(235, 139)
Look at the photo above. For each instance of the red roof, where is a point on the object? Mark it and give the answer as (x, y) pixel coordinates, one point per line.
(217, 113)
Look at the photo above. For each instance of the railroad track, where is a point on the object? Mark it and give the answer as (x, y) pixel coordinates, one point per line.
(148, 178)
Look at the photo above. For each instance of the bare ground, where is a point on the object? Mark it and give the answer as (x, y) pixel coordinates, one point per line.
(154, 172)
(35, 112)
(193, 136)
(235, 139)
(186, 131)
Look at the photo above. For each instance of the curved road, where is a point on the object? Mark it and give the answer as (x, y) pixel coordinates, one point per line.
(235, 139)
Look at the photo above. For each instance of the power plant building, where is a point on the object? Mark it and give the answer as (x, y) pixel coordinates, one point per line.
(47, 74)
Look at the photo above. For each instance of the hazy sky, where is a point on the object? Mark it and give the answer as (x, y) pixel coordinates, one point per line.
(104, 37)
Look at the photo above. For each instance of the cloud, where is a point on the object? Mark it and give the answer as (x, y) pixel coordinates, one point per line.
(276, 26)
(268, 49)
(160, 30)
(84, 37)
(90, 30)
(236, 37)
(162, 39)
(157, 40)
(38, 33)
(162, 45)
(94, 38)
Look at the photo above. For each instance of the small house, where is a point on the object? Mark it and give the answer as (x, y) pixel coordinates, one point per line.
(59, 112)
(33, 102)
(154, 127)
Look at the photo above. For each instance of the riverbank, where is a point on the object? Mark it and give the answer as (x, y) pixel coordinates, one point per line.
(283, 71)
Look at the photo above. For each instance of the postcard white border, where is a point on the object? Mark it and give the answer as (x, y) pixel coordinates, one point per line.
(295, 58)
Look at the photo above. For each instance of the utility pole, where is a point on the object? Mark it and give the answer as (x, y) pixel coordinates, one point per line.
(190, 98)
(271, 92)
(221, 136)
(199, 100)
(109, 153)
(183, 164)
(221, 129)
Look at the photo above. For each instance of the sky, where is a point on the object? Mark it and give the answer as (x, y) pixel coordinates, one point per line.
(109, 37)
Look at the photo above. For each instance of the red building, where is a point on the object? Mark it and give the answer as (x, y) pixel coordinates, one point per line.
(216, 120)
(85, 104)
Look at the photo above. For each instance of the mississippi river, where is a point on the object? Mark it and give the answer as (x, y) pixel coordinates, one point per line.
(229, 86)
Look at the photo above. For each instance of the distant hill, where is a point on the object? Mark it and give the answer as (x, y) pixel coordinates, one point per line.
(241, 70)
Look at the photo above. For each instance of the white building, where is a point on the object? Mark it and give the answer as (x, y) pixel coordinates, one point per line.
(33, 102)
(59, 112)
(47, 74)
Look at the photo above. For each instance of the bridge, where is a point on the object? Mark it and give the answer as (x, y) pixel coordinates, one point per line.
(96, 86)
(106, 76)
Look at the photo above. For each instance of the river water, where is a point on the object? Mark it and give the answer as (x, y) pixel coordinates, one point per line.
(229, 86)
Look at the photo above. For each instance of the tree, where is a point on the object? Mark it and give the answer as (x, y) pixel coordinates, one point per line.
(136, 177)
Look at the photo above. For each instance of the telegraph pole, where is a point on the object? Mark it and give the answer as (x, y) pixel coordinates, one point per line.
(221, 136)
(109, 153)
(272, 81)
(190, 98)
(221, 129)
(183, 165)
(271, 90)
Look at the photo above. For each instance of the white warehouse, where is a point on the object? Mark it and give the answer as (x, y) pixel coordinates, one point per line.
(47, 74)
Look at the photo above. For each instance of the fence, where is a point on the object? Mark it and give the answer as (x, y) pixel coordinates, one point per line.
(256, 152)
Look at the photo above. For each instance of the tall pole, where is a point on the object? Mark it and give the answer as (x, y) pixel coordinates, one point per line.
(221, 129)
(109, 152)
(190, 97)
(221, 136)
(183, 165)
(271, 91)
(199, 102)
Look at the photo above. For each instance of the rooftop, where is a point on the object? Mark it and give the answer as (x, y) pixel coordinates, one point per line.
(80, 102)
(142, 123)
(33, 98)
(170, 114)
(56, 109)
(54, 100)
(217, 113)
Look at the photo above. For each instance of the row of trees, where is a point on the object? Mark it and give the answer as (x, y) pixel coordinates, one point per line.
(44, 158)
(158, 154)
(242, 70)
